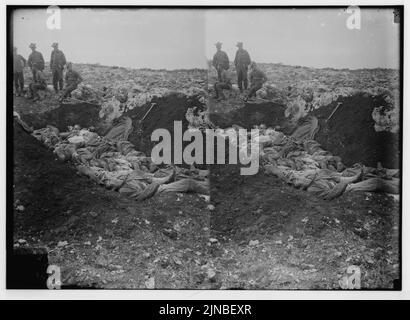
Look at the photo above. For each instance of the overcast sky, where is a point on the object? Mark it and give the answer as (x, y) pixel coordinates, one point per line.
(180, 38)
(308, 37)
(132, 38)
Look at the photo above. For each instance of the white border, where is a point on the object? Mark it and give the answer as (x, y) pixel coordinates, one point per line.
(200, 294)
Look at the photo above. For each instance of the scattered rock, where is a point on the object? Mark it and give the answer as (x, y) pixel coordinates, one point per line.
(253, 242)
(210, 273)
(62, 243)
(150, 283)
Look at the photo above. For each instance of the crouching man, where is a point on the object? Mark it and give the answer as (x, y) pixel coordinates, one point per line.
(39, 83)
(72, 80)
(221, 85)
(258, 78)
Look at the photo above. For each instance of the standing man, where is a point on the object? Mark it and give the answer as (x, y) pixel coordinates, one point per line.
(18, 66)
(258, 78)
(72, 79)
(242, 61)
(39, 83)
(220, 60)
(224, 83)
(57, 62)
(35, 61)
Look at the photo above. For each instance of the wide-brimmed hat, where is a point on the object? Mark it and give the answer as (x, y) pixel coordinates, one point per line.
(239, 44)
(32, 45)
(218, 44)
(55, 44)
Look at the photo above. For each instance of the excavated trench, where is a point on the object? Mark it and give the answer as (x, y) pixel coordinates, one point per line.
(167, 109)
(349, 133)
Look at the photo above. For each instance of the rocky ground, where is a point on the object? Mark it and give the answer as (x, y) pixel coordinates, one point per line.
(257, 232)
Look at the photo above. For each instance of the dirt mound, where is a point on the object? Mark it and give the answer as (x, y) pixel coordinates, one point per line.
(47, 188)
(268, 113)
(84, 114)
(168, 109)
(350, 133)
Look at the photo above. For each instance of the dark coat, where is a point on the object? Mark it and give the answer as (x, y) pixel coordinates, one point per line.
(18, 63)
(57, 60)
(72, 77)
(221, 60)
(257, 76)
(35, 59)
(242, 59)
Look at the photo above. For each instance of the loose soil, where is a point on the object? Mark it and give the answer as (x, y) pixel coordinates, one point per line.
(262, 233)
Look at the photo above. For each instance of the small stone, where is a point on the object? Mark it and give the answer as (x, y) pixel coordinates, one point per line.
(62, 243)
(93, 214)
(253, 242)
(210, 207)
(150, 283)
(210, 273)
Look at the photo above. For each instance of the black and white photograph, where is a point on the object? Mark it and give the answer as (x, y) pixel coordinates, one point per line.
(205, 148)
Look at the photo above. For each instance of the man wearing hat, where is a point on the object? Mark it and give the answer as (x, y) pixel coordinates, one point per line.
(35, 60)
(72, 80)
(57, 63)
(220, 60)
(242, 61)
(258, 78)
(18, 66)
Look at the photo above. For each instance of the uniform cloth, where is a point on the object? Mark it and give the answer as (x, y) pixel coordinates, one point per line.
(220, 62)
(68, 89)
(57, 59)
(35, 88)
(242, 61)
(72, 79)
(38, 84)
(18, 63)
(258, 78)
(121, 130)
(72, 76)
(224, 83)
(115, 164)
(35, 62)
(18, 78)
(58, 82)
(242, 72)
(254, 88)
(307, 129)
(57, 62)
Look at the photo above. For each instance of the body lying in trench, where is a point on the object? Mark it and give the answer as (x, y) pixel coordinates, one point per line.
(113, 162)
